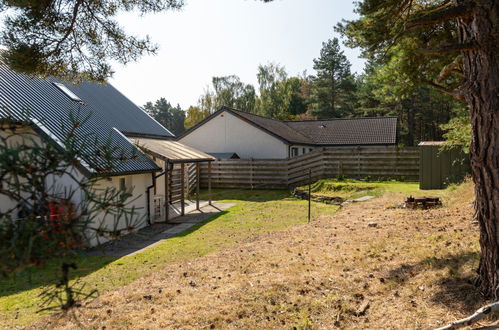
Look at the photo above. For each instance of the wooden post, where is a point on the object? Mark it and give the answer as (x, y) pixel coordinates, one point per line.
(209, 183)
(167, 191)
(182, 183)
(197, 186)
(309, 192)
(170, 181)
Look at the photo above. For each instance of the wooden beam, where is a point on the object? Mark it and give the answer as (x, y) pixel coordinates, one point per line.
(182, 179)
(197, 186)
(209, 183)
(167, 192)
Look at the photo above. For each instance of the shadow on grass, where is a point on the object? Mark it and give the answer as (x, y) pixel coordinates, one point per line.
(50, 273)
(454, 290)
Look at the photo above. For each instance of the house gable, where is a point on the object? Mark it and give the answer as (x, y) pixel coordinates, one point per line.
(226, 132)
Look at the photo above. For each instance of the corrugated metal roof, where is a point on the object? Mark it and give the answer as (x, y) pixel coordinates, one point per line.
(49, 109)
(173, 151)
(349, 131)
(117, 108)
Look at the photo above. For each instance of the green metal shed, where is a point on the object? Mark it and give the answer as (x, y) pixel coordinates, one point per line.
(439, 168)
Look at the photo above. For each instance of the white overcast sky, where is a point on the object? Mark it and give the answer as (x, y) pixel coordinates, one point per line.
(222, 37)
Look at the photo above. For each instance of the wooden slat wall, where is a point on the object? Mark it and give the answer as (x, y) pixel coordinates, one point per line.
(350, 162)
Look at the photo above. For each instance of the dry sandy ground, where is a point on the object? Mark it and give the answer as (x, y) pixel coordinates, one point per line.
(411, 270)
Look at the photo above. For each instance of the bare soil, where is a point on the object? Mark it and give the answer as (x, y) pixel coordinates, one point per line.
(370, 265)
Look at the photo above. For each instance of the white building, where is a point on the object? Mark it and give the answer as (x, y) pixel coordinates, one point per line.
(248, 135)
(47, 110)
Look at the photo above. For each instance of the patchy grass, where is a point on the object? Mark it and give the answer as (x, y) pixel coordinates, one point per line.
(413, 269)
(256, 212)
(350, 188)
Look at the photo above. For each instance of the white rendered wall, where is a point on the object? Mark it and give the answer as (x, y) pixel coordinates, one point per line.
(61, 185)
(228, 133)
(139, 183)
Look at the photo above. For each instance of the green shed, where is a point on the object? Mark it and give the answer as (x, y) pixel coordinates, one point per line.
(439, 168)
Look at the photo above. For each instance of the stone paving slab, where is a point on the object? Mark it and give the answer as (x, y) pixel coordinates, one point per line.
(157, 232)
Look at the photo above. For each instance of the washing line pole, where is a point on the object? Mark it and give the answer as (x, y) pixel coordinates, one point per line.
(309, 192)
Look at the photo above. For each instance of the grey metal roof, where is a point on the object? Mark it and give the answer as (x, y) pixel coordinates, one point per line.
(117, 108)
(327, 132)
(49, 109)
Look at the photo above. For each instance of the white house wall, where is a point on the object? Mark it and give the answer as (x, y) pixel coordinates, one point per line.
(227, 133)
(139, 184)
(62, 185)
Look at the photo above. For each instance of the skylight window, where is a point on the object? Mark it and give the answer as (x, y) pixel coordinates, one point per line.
(68, 92)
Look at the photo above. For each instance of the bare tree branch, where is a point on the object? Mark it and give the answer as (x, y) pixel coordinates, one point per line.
(452, 67)
(447, 13)
(447, 49)
(455, 93)
(478, 315)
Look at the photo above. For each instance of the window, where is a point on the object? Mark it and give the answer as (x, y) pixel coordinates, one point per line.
(68, 92)
(122, 184)
(303, 151)
(310, 149)
(294, 152)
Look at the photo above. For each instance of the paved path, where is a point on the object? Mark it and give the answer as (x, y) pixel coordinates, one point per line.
(152, 235)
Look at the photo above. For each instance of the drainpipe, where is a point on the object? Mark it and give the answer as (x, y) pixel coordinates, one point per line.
(148, 189)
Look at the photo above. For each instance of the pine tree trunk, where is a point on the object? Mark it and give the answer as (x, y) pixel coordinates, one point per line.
(481, 89)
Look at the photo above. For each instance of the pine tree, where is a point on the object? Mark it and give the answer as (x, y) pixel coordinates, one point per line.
(451, 46)
(333, 82)
(170, 117)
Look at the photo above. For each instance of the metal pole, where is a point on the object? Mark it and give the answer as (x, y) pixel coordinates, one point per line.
(309, 192)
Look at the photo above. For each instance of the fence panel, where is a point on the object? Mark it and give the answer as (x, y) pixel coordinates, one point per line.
(352, 162)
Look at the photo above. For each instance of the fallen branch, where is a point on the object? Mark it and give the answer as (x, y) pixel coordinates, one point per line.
(478, 315)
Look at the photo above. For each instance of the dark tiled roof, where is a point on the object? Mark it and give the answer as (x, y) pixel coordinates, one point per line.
(274, 126)
(351, 131)
(49, 109)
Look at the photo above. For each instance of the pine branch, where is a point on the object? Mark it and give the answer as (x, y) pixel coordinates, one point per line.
(450, 68)
(448, 13)
(455, 93)
(478, 315)
(447, 49)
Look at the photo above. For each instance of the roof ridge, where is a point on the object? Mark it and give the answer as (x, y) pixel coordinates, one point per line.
(250, 113)
(307, 137)
(332, 119)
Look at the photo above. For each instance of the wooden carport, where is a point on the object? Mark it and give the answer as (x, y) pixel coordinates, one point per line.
(174, 156)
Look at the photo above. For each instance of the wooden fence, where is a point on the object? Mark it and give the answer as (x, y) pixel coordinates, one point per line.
(350, 162)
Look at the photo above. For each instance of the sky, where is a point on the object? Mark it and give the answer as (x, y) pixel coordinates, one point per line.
(210, 38)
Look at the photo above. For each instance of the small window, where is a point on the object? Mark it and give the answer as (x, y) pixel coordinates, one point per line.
(68, 92)
(294, 152)
(303, 151)
(122, 184)
(310, 149)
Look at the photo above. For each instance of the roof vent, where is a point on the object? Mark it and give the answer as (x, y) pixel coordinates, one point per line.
(322, 125)
(68, 92)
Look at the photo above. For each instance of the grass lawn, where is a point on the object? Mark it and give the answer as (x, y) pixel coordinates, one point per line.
(412, 269)
(256, 212)
(349, 188)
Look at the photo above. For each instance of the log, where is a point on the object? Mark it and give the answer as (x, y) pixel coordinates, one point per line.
(478, 315)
